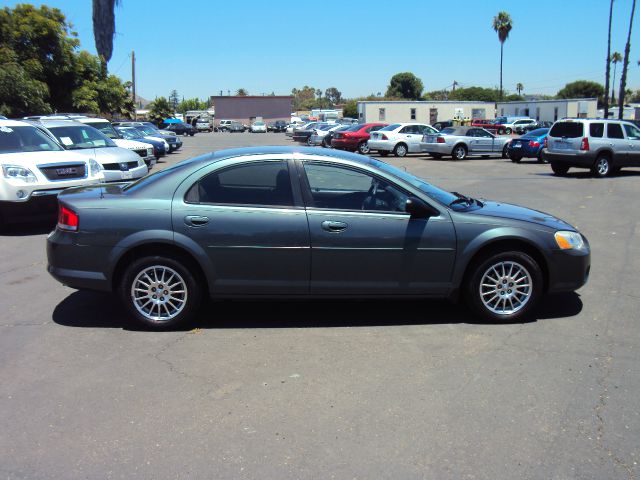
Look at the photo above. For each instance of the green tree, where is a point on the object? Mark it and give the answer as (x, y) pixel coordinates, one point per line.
(192, 104)
(20, 94)
(104, 26)
(174, 99)
(625, 63)
(350, 109)
(608, 66)
(159, 109)
(303, 99)
(616, 57)
(242, 92)
(582, 89)
(519, 88)
(405, 85)
(502, 24)
(333, 94)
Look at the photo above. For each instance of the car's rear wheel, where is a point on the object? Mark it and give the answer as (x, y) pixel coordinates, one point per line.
(459, 152)
(160, 292)
(540, 157)
(505, 286)
(559, 169)
(309, 143)
(363, 148)
(326, 143)
(400, 150)
(602, 167)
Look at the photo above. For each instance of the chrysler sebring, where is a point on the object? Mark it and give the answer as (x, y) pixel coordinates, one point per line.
(306, 222)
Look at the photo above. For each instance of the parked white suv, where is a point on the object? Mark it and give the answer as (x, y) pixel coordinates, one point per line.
(515, 124)
(399, 138)
(35, 169)
(604, 146)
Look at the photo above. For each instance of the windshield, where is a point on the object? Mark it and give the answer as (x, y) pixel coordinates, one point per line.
(148, 130)
(129, 133)
(390, 128)
(104, 127)
(79, 137)
(536, 133)
(25, 139)
(258, 123)
(435, 193)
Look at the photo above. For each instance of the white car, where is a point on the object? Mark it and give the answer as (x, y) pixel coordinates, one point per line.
(321, 135)
(104, 125)
(120, 164)
(399, 138)
(515, 124)
(35, 169)
(258, 127)
(204, 125)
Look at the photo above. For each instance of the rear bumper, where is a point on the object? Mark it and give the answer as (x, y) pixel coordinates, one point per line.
(581, 159)
(524, 151)
(344, 143)
(441, 148)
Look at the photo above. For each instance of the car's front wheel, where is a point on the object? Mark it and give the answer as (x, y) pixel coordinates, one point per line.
(363, 148)
(505, 286)
(160, 292)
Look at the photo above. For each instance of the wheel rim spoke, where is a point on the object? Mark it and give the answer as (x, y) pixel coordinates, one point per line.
(153, 296)
(505, 287)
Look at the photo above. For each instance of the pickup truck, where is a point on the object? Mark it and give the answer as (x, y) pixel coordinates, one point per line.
(491, 125)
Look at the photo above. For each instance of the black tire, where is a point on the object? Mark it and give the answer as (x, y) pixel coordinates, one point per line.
(559, 169)
(501, 265)
(437, 156)
(500, 131)
(459, 152)
(188, 302)
(602, 167)
(540, 157)
(363, 148)
(309, 144)
(326, 143)
(400, 150)
(508, 131)
(505, 151)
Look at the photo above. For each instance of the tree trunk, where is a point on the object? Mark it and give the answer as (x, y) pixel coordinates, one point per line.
(625, 64)
(613, 88)
(501, 49)
(608, 69)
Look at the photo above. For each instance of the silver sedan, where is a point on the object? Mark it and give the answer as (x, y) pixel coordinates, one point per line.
(459, 142)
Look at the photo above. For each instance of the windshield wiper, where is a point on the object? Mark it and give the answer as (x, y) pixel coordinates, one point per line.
(461, 199)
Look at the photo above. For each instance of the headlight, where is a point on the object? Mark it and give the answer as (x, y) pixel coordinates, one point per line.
(94, 167)
(141, 162)
(17, 172)
(569, 240)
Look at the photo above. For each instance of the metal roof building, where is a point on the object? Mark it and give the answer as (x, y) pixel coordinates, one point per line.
(245, 109)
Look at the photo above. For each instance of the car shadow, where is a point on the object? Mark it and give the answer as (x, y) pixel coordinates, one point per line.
(584, 173)
(83, 309)
(27, 229)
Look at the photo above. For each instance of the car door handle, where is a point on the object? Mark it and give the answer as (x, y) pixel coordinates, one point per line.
(333, 227)
(196, 220)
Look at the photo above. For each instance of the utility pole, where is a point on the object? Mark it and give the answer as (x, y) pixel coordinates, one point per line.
(133, 79)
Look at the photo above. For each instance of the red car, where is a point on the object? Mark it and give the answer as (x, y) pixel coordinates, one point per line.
(355, 138)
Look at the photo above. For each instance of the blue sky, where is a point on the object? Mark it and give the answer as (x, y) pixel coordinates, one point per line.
(200, 47)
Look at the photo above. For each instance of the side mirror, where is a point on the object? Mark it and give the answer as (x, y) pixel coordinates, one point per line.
(418, 208)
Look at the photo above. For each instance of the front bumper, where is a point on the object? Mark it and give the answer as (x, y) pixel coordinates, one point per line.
(125, 175)
(316, 140)
(569, 269)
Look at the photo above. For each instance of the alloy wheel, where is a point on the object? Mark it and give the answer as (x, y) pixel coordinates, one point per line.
(505, 288)
(159, 293)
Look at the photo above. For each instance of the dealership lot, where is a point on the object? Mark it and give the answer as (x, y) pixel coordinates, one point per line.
(335, 389)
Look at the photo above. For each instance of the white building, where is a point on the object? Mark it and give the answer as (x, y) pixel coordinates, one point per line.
(550, 110)
(427, 111)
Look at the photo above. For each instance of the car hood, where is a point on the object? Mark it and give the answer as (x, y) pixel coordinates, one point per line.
(515, 212)
(114, 154)
(31, 159)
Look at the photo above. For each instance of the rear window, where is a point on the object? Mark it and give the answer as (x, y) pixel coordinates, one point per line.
(596, 130)
(567, 129)
(391, 127)
(448, 131)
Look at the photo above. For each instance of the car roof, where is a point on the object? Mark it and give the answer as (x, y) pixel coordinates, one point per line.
(59, 123)
(14, 123)
(283, 150)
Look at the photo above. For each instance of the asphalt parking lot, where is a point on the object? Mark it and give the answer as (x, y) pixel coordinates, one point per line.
(371, 389)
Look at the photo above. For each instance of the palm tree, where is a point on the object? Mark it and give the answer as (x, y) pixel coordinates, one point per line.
(502, 24)
(608, 68)
(242, 92)
(625, 64)
(519, 88)
(616, 57)
(104, 27)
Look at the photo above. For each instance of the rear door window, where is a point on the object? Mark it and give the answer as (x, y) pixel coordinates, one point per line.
(260, 183)
(614, 130)
(596, 130)
(567, 129)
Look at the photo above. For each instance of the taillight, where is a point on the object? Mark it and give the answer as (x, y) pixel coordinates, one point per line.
(546, 143)
(67, 219)
(384, 137)
(534, 144)
(440, 140)
(585, 144)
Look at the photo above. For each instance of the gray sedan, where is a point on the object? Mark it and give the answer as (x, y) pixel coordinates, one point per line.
(306, 222)
(459, 142)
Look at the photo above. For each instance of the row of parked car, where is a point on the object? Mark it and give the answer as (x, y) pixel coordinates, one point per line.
(603, 146)
(43, 155)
